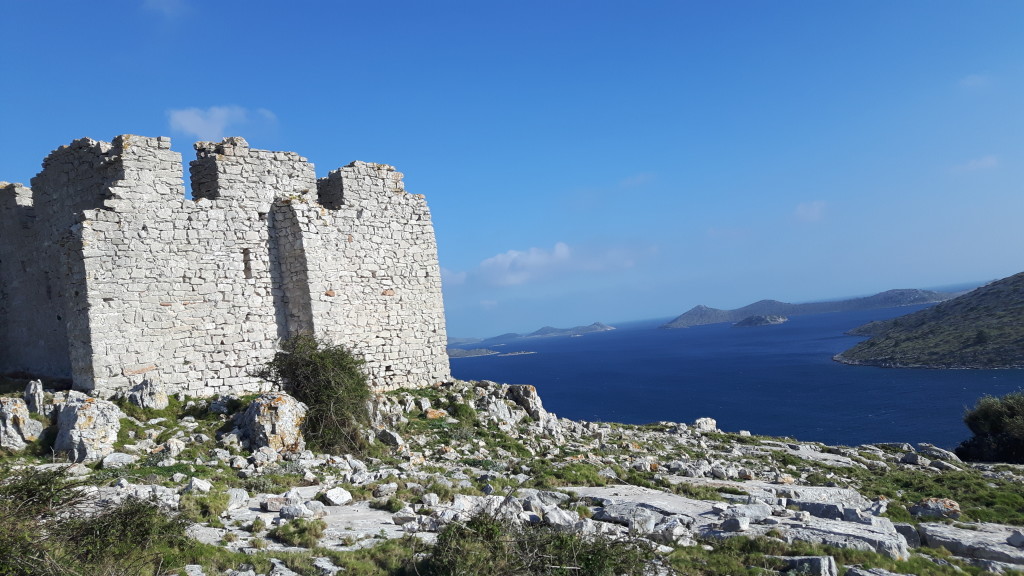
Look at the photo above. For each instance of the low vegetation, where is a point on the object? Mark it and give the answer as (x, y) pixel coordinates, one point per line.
(330, 381)
(48, 530)
(998, 427)
(486, 546)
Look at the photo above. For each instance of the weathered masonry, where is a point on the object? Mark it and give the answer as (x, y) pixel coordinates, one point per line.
(109, 274)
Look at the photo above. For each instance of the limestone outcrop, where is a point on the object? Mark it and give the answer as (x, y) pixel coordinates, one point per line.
(274, 421)
(17, 428)
(87, 428)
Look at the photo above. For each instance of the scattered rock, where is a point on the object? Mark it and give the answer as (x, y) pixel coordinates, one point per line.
(337, 497)
(87, 428)
(17, 428)
(705, 425)
(390, 438)
(149, 395)
(809, 565)
(116, 460)
(936, 508)
(35, 397)
(274, 421)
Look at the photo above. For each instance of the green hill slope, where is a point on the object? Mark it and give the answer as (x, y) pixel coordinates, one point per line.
(981, 329)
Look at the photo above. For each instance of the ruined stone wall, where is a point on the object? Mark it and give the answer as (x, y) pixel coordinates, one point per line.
(198, 292)
(377, 284)
(39, 283)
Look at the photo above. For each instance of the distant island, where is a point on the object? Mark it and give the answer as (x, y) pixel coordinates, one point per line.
(476, 352)
(471, 353)
(761, 320)
(545, 332)
(981, 329)
(701, 315)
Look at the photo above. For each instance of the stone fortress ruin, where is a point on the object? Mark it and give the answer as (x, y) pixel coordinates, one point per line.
(109, 275)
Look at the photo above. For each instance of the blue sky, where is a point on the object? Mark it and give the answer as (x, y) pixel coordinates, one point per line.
(586, 161)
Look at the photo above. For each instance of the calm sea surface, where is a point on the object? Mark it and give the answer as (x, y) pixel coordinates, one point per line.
(773, 380)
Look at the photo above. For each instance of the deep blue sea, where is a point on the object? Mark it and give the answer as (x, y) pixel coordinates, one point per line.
(773, 380)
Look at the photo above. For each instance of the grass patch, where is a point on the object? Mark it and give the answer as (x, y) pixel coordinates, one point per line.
(485, 546)
(299, 532)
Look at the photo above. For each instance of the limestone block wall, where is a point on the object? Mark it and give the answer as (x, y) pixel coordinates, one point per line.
(198, 292)
(376, 285)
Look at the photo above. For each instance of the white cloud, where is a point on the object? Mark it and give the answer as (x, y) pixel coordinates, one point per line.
(636, 180)
(488, 304)
(810, 211)
(452, 278)
(975, 81)
(168, 8)
(518, 267)
(976, 164)
(212, 123)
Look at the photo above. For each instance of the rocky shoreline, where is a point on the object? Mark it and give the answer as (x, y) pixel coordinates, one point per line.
(447, 453)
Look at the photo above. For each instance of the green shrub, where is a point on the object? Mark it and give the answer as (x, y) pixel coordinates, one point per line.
(203, 507)
(48, 531)
(330, 381)
(485, 546)
(300, 532)
(998, 427)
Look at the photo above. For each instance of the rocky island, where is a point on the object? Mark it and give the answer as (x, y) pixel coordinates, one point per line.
(701, 315)
(981, 329)
(762, 320)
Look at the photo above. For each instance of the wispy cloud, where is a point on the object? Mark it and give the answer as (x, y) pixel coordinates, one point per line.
(518, 267)
(636, 180)
(976, 164)
(212, 123)
(166, 8)
(810, 211)
(975, 81)
(521, 267)
(452, 278)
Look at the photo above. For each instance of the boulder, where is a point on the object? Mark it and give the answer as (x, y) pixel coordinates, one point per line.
(34, 397)
(705, 425)
(809, 565)
(198, 485)
(736, 524)
(527, 398)
(274, 420)
(237, 498)
(117, 460)
(149, 395)
(937, 453)
(936, 508)
(337, 497)
(390, 438)
(17, 428)
(87, 428)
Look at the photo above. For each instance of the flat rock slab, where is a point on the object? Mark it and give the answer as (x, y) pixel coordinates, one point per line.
(982, 541)
(348, 527)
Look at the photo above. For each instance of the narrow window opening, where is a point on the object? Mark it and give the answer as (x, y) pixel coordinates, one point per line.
(247, 262)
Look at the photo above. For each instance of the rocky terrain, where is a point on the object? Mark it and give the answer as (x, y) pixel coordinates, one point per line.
(980, 329)
(239, 470)
(759, 320)
(700, 315)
